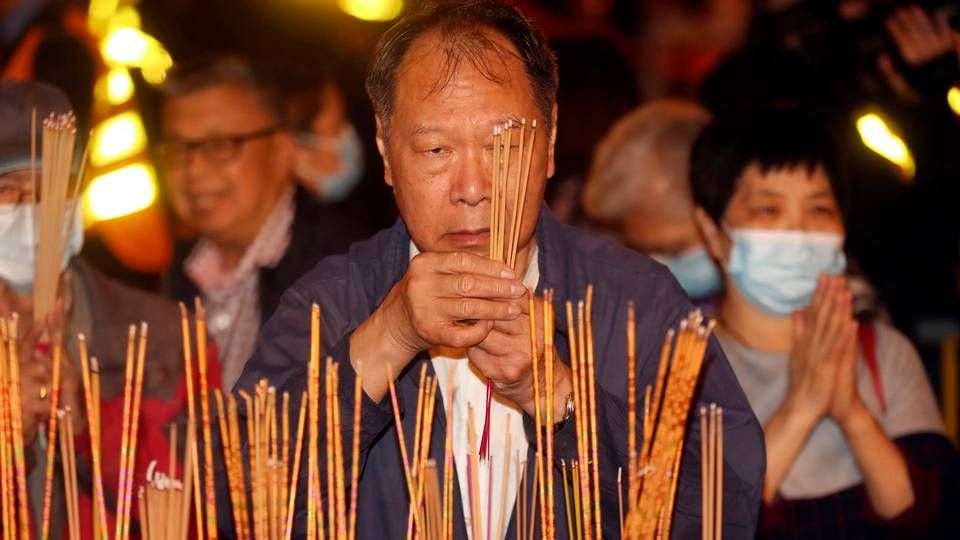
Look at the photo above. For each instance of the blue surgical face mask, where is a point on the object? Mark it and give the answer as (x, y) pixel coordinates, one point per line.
(777, 271)
(336, 186)
(18, 243)
(695, 270)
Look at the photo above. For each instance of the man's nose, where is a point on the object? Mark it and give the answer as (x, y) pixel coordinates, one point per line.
(471, 183)
(195, 165)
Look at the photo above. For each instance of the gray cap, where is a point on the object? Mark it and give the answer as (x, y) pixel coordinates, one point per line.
(17, 101)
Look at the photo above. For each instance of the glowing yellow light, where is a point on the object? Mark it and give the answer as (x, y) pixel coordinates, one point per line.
(877, 136)
(125, 46)
(372, 10)
(101, 9)
(119, 86)
(117, 138)
(156, 64)
(953, 99)
(120, 192)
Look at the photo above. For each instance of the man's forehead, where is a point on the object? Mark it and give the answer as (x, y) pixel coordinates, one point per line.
(218, 105)
(440, 122)
(437, 67)
(433, 92)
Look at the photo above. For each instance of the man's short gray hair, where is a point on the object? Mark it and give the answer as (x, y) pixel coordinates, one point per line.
(192, 76)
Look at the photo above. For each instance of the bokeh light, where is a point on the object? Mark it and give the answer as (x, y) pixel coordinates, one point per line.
(120, 192)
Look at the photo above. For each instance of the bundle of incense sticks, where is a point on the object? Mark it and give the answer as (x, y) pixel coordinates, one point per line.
(426, 519)
(60, 428)
(333, 519)
(132, 393)
(711, 471)
(583, 511)
(164, 501)
(543, 397)
(655, 472)
(507, 200)
(57, 204)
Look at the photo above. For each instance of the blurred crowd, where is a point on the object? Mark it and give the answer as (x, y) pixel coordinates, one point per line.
(719, 137)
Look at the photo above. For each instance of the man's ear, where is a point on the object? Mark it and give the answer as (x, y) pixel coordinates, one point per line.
(382, 149)
(717, 242)
(552, 142)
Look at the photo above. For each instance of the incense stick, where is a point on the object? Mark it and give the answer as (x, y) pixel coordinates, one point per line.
(125, 428)
(592, 398)
(6, 442)
(620, 499)
(194, 478)
(52, 433)
(91, 392)
(288, 530)
(718, 510)
(566, 498)
(355, 455)
(403, 445)
(130, 465)
(208, 485)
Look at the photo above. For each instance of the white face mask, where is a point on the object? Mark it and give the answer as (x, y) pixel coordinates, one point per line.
(777, 271)
(18, 243)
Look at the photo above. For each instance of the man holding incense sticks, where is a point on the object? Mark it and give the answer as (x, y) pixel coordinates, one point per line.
(89, 303)
(424, 293)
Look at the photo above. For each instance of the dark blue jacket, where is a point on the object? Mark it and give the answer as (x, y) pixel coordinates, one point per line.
(349, 287)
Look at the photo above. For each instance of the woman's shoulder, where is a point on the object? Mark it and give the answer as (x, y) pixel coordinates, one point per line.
(910, 404)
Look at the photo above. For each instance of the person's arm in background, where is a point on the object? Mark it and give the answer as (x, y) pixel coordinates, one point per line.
(884, 469)
(911, 419)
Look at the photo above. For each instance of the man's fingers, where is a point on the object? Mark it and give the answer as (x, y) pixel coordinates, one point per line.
(465, 309)
(461, 336)
(497, 343)
(467, 263)
(479, 286)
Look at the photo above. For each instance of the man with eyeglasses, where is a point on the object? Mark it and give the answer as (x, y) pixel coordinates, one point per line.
(227, 160)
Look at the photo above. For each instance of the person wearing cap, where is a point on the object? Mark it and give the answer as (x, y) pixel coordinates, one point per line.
(89, 303)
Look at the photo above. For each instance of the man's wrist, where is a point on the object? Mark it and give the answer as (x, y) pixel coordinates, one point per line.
(562, 394)
(377, 338)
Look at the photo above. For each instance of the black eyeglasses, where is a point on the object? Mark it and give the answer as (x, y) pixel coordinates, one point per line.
(219, 150)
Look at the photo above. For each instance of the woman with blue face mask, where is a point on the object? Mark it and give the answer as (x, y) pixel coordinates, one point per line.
(853, 433)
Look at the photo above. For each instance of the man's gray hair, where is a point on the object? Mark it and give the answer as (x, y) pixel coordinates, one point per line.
(196, 75)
